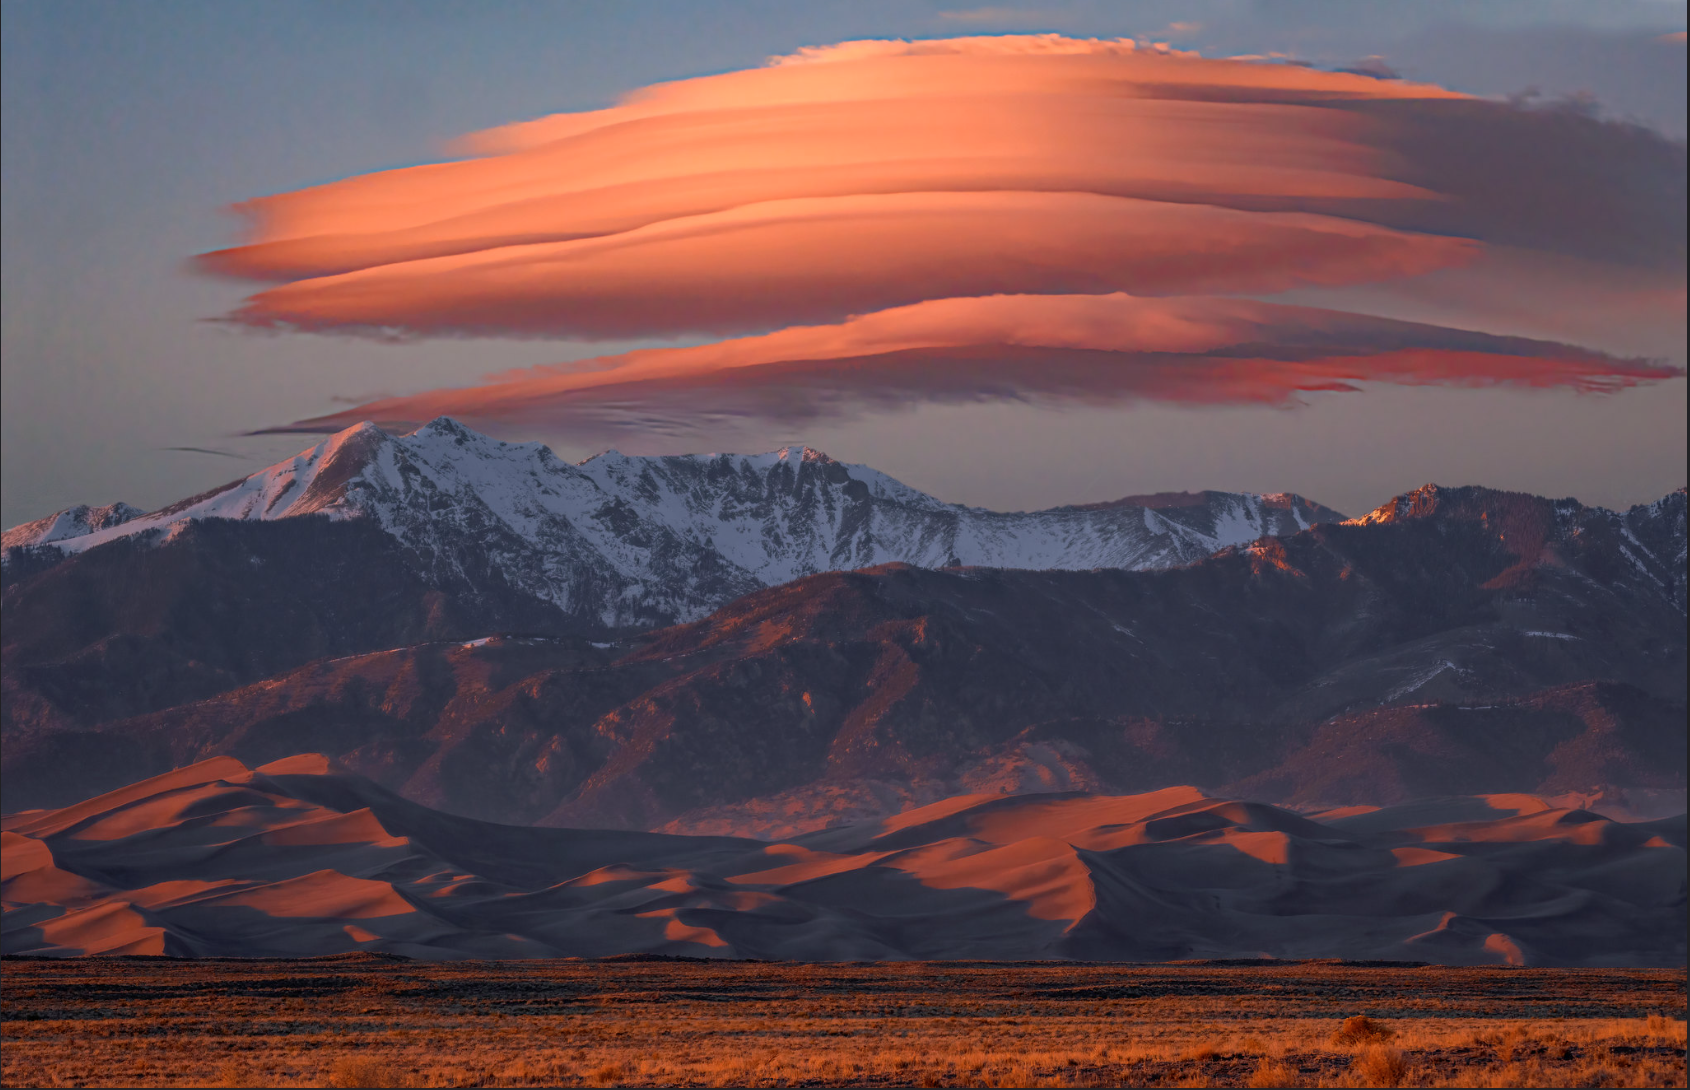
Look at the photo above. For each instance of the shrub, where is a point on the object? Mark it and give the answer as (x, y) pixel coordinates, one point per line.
(1380, 1066)
(1274, 1073)
(238, 1075)
(352, 1071)
(1358, 1029)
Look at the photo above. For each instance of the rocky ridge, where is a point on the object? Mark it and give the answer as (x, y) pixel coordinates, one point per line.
(622, 541)
(1457, 641)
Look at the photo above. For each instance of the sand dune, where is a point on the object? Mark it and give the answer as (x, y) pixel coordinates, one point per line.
(299, 858)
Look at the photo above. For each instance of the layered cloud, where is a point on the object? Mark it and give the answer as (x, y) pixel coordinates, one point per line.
(875, 174)
(990, 217)
(1097, 349)
(813, 259)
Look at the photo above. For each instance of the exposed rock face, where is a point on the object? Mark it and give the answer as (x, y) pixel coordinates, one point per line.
(1456, 640)
(369, 541)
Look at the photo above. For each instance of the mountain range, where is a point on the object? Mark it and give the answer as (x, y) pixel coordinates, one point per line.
(489, 632)
(619, 542)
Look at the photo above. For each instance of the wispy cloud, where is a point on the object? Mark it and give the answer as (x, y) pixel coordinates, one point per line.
(1096, 348)
(210, 450)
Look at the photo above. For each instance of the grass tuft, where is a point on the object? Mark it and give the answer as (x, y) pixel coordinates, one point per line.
(1358, 1029)
(1275, 1073)
(1379, 1065)
(358, 1071)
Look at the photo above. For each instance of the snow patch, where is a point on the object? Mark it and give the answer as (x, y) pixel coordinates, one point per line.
(675, 537)
(1417, 682)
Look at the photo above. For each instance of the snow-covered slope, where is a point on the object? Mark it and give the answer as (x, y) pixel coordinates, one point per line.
(72, 522)
(639, 541)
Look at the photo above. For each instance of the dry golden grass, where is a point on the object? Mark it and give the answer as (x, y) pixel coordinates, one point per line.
(368, 1021)
(357, 1071)
(1379, 1065)
(1360, 1029)
(1274, 1073)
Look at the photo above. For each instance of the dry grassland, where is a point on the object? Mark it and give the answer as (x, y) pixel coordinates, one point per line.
(372, 1021)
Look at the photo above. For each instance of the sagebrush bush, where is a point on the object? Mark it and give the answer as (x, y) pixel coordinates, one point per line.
(1358, 1029)
(1380, 1065)
(1275, 1073)
(358, 1071)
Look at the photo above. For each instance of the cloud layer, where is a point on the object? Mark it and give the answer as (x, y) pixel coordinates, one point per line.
(813, 259)
(909, 182)
(875, 174)
(1097, 349)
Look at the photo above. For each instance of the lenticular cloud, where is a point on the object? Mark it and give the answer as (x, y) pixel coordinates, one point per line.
(874, 176)
(1093, 348)
(812, 259)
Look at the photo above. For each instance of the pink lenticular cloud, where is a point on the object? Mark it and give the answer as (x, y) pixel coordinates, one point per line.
(1095, 348)
(861, 118)
(813, 259)
(868, 175)
(1029, 217)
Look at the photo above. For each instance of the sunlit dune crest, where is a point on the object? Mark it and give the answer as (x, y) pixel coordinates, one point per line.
(1088, 348)
(1419, 857)
(1169, 874)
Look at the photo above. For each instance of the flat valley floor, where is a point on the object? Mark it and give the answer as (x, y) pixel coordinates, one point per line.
(365, 1020)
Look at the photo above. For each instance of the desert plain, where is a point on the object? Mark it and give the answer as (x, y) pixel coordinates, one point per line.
(380, 1020)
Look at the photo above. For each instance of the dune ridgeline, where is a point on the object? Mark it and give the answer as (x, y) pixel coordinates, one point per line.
(300, 858)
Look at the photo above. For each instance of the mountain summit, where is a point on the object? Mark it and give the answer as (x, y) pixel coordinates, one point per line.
(619, 541)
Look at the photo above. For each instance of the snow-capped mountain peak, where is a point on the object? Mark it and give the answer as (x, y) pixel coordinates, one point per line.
(72, 522)
(631, 540)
